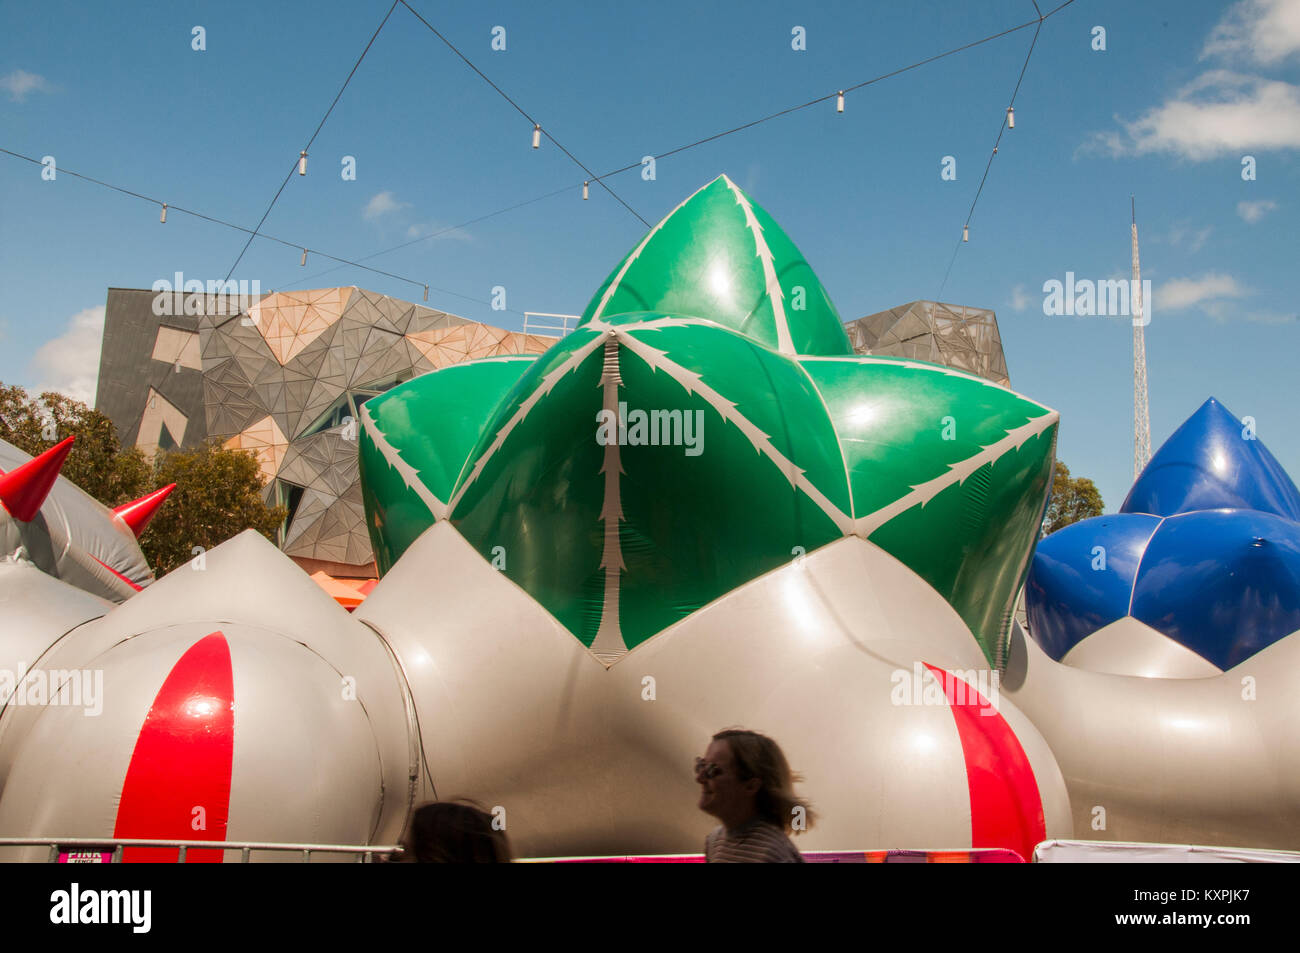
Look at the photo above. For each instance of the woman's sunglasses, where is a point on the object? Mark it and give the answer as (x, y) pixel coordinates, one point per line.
(706, 769)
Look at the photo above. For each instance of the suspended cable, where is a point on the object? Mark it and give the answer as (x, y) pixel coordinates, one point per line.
(537, 127)
(172, 207)
(301, 162)
(1008, 122)
(699, 142)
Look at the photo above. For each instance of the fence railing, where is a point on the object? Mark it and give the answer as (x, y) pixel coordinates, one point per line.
(82, 849)
(532, 327)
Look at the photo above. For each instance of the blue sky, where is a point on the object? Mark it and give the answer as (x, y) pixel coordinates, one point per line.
(1183, 90)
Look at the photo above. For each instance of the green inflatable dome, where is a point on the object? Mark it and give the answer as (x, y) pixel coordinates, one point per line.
(706, 423)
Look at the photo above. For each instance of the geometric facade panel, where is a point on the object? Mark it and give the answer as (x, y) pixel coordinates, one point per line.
(291, 320)
(178, 348)
(162, 424)
(950, 334)
(266, 442)
(457, 344)
(283, 379)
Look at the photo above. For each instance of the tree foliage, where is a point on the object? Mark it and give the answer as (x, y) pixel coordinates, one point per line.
(1072, 500)
(98, 463)
(218, 491)
(218, 495)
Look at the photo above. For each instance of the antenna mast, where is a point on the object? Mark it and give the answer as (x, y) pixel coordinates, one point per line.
(1141, 416)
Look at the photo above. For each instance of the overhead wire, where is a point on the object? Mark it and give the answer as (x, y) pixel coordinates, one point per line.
(358, 263)
(997, 142)
(172, 207)
(306, 149)
(536, 125)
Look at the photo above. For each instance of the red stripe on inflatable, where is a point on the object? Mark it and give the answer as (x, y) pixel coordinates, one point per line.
(118, 574)
(1005, 807)
(182, 759)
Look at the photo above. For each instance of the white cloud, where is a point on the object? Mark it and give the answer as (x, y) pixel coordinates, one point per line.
(1194, 238)
(69, 363)
(432, 230)
(1179, 293)
(1223, 312)
(1262, 31)
(1216, 295)
(20, 82)
(381, 205)
(1019, 298)
(1222, 112)
(1219, 113)
(1252, 212)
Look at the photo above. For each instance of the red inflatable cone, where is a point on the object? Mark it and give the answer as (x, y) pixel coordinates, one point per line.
(138, 513)
(23, 489)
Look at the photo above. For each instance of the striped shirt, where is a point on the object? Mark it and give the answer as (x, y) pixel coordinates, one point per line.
(757, 842)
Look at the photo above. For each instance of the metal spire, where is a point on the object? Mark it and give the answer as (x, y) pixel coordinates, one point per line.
(1141, 417)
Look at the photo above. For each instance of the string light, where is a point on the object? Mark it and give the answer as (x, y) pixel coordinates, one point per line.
(304, 257)
(426, 292)
(537, 128)
(584, 191)
(302, 156)
(1009, 123)
(162, 219)
(839, 102)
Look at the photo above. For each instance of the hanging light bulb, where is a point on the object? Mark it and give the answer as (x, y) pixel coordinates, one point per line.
(584, 191)
(839, 102)
(965, 233)
(1011, 117)
(302, 162)
(426, 292)
(537, 136)
(162, 219)
(304, 257)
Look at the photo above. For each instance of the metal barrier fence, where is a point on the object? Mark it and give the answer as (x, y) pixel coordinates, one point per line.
(109, 850)
(961, 855)
(104, 850)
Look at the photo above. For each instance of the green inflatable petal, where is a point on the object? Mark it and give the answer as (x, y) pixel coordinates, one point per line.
(719, 255)
(650, 463)
(644, 468)
(415, 439)
(949, 473)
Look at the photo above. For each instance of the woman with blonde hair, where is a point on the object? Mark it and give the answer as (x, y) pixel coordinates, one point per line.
(746, 783)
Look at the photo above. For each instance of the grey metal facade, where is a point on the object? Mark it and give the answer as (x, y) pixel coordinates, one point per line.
(282, 378)
(951, 334)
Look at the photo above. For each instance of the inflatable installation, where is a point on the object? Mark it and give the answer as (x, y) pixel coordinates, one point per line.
(1164, 645)
(699, 509)
(52, 524)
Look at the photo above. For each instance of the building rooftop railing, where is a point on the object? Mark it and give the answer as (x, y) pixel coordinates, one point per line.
(564, 327)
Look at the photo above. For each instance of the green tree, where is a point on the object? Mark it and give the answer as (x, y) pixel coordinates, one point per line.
(218, 495)
(1072, 500)
(218, 491)
(98, 463)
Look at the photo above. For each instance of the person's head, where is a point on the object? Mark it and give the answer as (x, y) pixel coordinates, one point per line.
(745, 775)
(454, 832)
